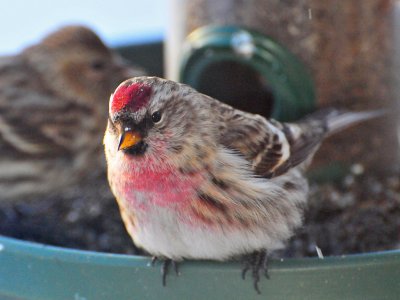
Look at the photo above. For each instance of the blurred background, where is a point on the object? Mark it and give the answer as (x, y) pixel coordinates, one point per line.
(118, 22)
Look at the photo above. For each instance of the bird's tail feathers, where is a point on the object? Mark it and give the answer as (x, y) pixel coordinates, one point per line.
(335, 120)
(339, 120)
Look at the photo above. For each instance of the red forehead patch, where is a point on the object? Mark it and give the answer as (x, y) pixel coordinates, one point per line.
(132, 97)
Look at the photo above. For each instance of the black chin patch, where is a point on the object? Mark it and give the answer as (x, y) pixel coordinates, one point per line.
(138, 149)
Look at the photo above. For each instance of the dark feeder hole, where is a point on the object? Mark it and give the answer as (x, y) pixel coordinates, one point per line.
(237, 85)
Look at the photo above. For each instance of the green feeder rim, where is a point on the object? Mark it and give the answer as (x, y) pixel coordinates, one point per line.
(36, 271)
(291, 84)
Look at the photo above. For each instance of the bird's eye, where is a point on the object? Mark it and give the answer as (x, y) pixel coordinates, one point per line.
(97, 65)
(156, 117)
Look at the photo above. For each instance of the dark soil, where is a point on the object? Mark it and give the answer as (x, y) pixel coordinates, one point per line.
(85, 217)
(360, 213)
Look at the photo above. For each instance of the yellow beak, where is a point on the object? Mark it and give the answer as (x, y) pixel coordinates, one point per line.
(128, 139)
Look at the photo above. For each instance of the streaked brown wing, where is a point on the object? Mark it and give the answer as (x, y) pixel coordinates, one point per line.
(302, 146)
(270, 146)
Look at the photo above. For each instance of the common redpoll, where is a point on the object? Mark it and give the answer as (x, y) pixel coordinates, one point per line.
(51, 111)
(197, 179)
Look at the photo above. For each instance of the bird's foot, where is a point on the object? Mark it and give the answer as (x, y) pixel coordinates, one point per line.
(258, 263)
(165, 268)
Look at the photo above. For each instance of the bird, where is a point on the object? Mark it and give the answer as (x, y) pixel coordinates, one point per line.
(195, 178)
(52, 106)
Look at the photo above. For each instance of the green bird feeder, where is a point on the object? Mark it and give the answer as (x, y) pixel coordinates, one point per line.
(36, 271)
(248, 70)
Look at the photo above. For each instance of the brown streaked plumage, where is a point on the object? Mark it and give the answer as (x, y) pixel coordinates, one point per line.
(51, 111)
(236, 186)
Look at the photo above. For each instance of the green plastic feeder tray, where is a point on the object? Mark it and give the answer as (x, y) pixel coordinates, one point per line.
(35, 271)
(208, 49)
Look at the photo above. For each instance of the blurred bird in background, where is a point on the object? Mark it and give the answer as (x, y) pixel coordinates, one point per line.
(52, 110)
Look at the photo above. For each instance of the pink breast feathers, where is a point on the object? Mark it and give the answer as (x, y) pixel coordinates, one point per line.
(132, 97)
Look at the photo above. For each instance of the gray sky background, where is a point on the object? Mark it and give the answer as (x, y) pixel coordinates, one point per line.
(118, 22)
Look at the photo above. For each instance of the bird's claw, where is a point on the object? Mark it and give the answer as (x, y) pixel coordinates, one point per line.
(153, 260)
(258, 262)
(165, 268)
